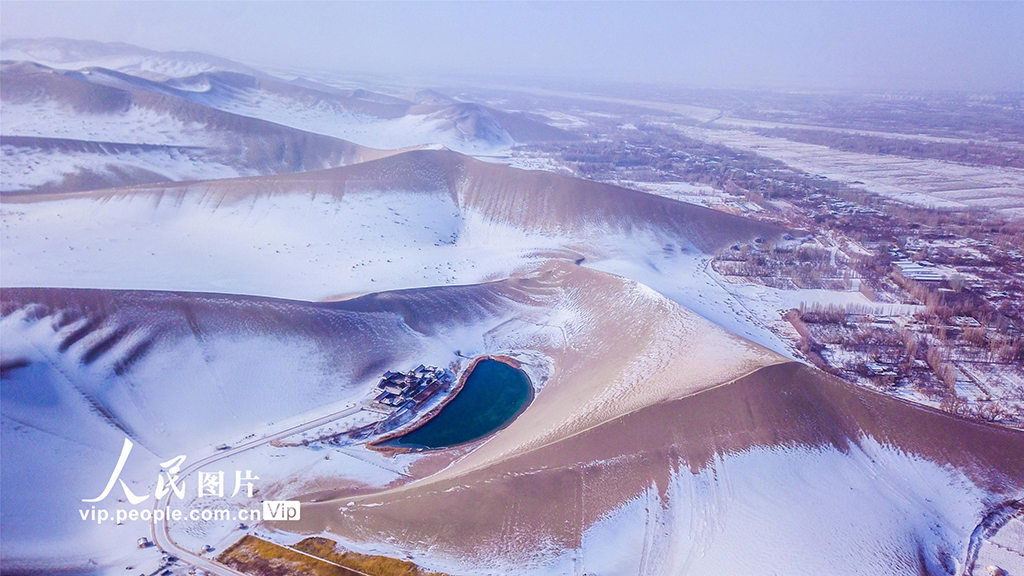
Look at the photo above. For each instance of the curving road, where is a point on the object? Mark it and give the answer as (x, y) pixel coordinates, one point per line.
(161, 534)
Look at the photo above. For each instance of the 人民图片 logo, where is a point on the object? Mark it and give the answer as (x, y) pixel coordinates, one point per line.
(170, 482)
(209, 483)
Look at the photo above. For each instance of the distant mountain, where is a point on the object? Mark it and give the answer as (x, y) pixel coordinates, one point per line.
(80, 130)
(82, 115)
(430, 96)
(135, 60)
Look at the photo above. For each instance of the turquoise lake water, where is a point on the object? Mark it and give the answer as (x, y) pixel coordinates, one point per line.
(492, 396)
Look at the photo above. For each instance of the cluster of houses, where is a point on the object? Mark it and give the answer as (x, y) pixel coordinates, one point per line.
(407, 391)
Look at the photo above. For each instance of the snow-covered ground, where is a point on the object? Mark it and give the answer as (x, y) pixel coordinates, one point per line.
(527, 162)
(681, 191)
(931, 183)
(232, 372)
(291, 246)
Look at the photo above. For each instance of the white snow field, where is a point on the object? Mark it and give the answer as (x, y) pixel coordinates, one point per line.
(923, 182)
(292, 246)
(136, 125)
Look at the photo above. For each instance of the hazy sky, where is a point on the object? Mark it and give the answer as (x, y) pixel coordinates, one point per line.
(915, 45)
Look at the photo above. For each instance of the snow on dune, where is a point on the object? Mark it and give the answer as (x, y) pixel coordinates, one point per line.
(433, 128)
(75, 54)
(367, 118)
(688, 280)
(640, 433)
(101, 105)
(319, 246)
(136, 125)
(185, 87)
(25, 166)
(874, 510)
(100, 129)
(369, 228)
(181, 373)
(439, 217)
(294, 246)
(55, 453)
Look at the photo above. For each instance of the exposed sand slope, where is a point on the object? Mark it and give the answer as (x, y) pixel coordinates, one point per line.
(743, 478)
(628, 347)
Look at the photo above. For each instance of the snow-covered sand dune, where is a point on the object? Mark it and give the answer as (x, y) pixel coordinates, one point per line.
(58, 164)
(99, 134)
(181, 372)
(152, 64)
(782, 471)
(414, 219)
(367, 118)
(237, 121)
(652, 426)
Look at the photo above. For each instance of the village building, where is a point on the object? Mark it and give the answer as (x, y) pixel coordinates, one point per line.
(398, 391)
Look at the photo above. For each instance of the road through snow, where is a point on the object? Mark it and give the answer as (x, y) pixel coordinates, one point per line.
(161, 530)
